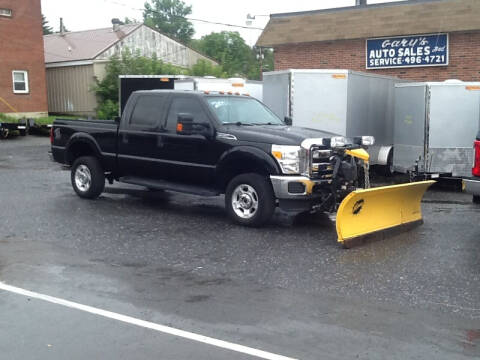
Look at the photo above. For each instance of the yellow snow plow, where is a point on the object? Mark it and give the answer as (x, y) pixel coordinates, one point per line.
(372, 210)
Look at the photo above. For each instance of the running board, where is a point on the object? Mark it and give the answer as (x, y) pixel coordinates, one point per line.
(170, 186)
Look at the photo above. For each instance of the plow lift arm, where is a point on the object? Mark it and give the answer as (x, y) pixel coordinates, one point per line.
(368, 211)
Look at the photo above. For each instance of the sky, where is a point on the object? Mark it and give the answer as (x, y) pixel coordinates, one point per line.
(92, 14)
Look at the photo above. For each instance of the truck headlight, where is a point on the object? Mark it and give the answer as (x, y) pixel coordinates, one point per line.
(364, 140)
(368, 140)
(338, 141)
(288, 158)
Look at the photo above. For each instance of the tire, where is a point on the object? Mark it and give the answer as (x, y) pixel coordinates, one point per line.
(476, 199)
(87, 177)
(23, 132)
(254, 198)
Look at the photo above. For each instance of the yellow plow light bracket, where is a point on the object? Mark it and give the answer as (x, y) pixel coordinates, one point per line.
(368, 211)
(358, 153)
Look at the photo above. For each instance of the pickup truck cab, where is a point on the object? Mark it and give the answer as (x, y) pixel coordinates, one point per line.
(472, 185)
(209, 144)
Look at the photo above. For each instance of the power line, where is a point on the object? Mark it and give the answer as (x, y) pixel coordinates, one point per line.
(224, 24)
(189, 18)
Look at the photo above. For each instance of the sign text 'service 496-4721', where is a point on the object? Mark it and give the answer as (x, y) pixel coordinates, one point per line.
(407, 51)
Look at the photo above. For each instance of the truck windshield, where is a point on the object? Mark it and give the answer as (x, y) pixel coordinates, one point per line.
(242, 111)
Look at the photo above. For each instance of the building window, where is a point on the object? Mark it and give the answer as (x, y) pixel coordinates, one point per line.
(6, 12)
(20, 82)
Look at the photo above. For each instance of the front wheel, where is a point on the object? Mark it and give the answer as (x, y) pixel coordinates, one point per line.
(249, 199)
(88, 177)
(476, 199)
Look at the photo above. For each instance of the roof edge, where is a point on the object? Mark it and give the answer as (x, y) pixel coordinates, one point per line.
(80, 31)
(350, 8)
(67, 63)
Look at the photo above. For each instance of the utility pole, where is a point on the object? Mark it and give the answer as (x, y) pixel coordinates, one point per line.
(260, 57)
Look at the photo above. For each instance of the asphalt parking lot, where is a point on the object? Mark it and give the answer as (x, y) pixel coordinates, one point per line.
(163, 262)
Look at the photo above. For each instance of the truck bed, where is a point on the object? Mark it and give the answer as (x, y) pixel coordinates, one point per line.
(101, 135)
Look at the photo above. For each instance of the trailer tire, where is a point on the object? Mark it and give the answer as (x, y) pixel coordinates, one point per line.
(249, 200)
(87, 177)
(476, 199)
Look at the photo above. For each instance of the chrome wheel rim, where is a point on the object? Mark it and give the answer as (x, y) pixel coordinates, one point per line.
(83, 178)
(245, 201)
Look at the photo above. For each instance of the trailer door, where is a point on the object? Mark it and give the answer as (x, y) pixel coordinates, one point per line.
(409, 127)
(276, 93)
(454, 115)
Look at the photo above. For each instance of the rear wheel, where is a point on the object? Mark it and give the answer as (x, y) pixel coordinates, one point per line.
(476, 199)
(249, 199)
(88, 177)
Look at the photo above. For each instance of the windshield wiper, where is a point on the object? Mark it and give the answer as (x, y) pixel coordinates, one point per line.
(238, 123)
(268, 123)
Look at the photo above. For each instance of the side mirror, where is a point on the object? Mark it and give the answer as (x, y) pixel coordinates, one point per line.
(288, 121)
(117, 119)
(184, 124)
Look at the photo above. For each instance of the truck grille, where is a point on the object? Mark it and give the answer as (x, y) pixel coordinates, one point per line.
(320, 163)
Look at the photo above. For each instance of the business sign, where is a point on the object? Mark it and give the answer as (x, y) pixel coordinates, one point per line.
(407, 51)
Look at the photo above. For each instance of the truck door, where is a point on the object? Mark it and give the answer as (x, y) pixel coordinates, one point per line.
(139, 136)
(189, 158)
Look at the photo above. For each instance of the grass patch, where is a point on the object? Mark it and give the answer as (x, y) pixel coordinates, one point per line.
(8, 119)
(48, 120)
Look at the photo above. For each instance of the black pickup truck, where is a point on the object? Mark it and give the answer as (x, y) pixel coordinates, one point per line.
(209, 144)
(472, 185)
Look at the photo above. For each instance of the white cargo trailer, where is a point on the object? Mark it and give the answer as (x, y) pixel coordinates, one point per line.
(234, 85)
(343, 102)
(435, 127)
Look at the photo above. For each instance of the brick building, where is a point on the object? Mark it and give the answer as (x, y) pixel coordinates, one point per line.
(337, 39)
(22, 67)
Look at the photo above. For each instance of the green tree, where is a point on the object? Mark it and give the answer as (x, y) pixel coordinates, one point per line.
(47, 29)
(206, 68)
(232, 52)
(169, 17)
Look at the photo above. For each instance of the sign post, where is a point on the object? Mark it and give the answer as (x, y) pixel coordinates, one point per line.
(407, 51)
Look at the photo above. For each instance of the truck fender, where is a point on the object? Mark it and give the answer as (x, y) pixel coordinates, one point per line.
(249, 156)
(83, 138)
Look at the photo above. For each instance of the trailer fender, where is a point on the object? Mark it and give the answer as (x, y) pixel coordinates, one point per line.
(383, 155)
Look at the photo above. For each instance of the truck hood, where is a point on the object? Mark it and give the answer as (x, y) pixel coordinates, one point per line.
(275, 134)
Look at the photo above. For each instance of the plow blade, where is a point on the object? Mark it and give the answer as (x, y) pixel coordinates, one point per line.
(369, 211)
